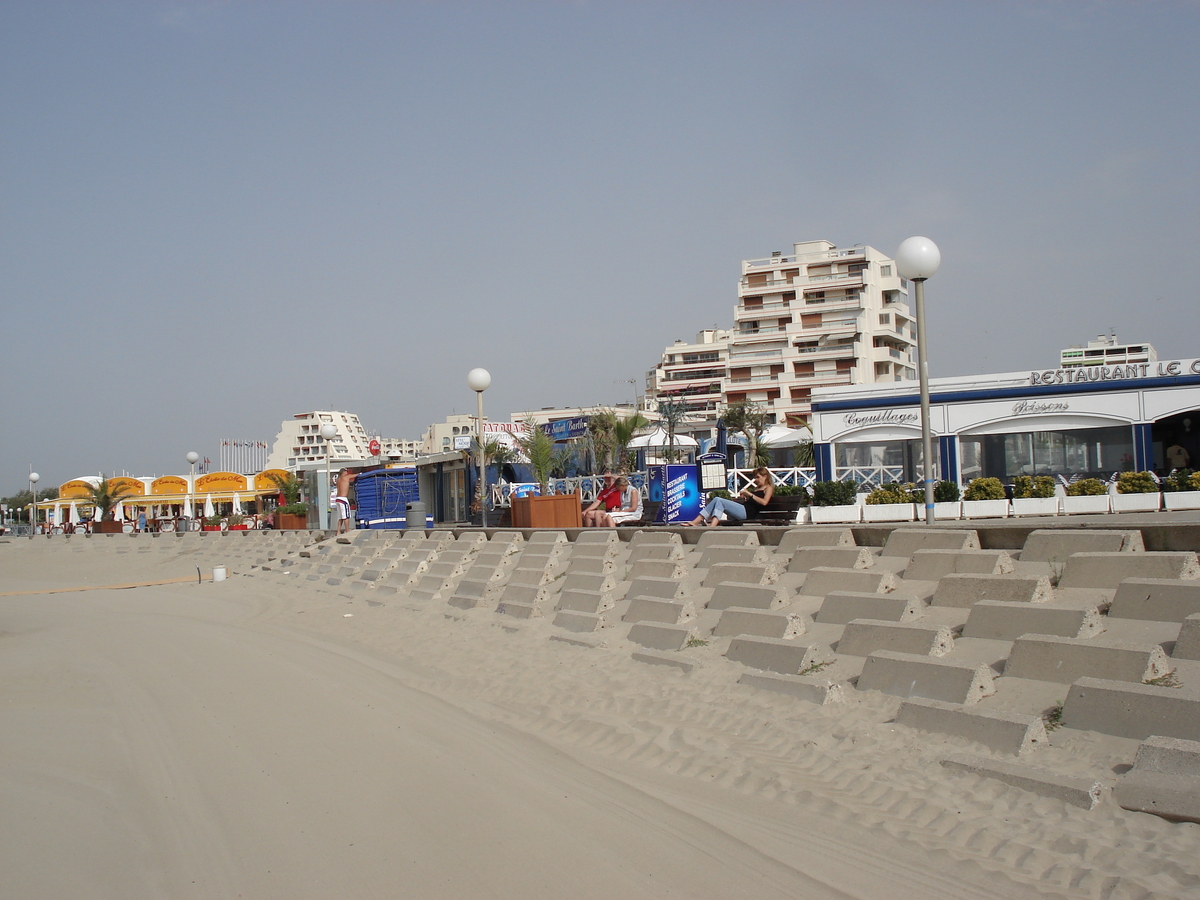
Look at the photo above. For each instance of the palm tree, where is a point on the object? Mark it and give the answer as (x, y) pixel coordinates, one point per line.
(105, 496)
(623, 432)
(600, 432)
(672, 413)
(538, 447)
(289, 486)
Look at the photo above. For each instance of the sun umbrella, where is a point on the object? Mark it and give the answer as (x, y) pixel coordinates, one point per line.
(237, 503)
(659, 438)
(782, 436)
(208, 506)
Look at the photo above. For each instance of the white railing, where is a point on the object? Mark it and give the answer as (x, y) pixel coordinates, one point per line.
(797, 477)
(589, 486)
(873, 476)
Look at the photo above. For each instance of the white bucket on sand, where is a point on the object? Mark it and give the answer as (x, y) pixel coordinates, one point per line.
(218, 573)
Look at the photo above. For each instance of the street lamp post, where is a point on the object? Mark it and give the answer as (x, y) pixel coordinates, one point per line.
(917, 259)
(479, 380)
(34, 478)
(328, 432)
(193, 457)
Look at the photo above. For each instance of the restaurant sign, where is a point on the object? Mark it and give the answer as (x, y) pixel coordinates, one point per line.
(1084, 374)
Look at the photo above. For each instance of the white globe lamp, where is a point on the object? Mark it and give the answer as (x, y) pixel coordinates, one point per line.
(917, 259)
(479, 380)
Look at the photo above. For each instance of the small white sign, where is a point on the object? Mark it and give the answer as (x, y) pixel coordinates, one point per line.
(462, 442)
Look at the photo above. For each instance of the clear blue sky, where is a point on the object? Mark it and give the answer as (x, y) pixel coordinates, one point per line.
(216, 215)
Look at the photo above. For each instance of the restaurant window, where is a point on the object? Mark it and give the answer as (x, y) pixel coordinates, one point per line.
(881, 462)
(1084, 452)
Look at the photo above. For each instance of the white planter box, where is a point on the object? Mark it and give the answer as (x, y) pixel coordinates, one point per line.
(1035, 506)
(825, 515)
(947, 510)
(985, 509)
(1076, 505)
(889, 512)
(1137, 502)
(802, 516)
(1182, 500)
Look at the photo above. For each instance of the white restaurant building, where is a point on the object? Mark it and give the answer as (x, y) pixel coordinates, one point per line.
(1089, 421)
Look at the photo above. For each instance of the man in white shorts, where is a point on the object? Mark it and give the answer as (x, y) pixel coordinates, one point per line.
(341, 499)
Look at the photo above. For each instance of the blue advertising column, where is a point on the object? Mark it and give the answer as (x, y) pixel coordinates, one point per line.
(677, 488)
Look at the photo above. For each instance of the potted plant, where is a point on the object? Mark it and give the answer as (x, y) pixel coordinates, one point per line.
(984, 498)
(947, 500)
(1034, 496)
(237, 522)
(544, 510)
(890, 503)
(212, 523)
(1088, 495)
(1181, 490)
(1136, 492)
(792, 498)
(834, 501)
(292, 513)
(105, 496)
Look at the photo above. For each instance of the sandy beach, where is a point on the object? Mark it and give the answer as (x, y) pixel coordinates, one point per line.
(261, 737)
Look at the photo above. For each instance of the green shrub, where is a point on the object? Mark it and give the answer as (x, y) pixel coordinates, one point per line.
(834, 493)
(1182, 480)
(946, 492)
(985, 489)
(212, 521)
(896, 493)
(293, 509)
(1040, 487)
(1087, 487)
(237, 519)
(793, 490)
(720, 492)
(1136, 483)
(1194, 481)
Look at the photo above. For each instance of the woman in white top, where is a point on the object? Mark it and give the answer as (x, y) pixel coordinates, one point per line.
(629, 510)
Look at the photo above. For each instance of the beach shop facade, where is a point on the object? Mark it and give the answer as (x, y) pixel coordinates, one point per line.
(1084, 422)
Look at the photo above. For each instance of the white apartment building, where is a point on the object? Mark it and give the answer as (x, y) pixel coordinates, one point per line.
(694, 373)
(299, 444)
(816, 318)
(1106, 350)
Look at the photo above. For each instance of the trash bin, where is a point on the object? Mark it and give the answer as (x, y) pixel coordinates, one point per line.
(414, 515)
(183, 523)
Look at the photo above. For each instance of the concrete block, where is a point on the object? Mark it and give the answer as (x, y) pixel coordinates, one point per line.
(726, 538)
(841, 607)
(546, 537)
(581, 581)
(907, 541)
(599, 538)
(930, 565)
(1173, 797)
(777, 655)
(807, 558)
(928, 677)
(585, 601)
(580, 622)
(656, 551)
(1188, 644)
(994, 620)
(664, 588)
(740, 573)
(1158, 599)
(1002, 732)
(760, 623)
(658, 636)
(658, 568)
(798, 686)
(643, 537)
(1056, 544)
(595, 550)
(1169, 756)
(748, 596)
(1044, 657)
(654, 658)
(862, 637)
(753, 555)
(964, 591)
(1131, 710)
(1082, 792)
(1108, 570)
(522, 593)
(596, 565)
(519, 610)
(815, 536)
(648, 609)
(822, 581)
(533, 576)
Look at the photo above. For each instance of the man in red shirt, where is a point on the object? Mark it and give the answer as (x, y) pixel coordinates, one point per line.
(609, 497)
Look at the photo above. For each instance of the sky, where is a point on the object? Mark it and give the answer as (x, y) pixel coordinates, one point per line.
(214, 216)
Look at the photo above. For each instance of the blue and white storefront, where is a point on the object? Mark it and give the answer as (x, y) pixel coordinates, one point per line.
(1083, 422)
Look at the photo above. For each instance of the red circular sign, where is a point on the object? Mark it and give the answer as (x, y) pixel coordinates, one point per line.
(373, 447)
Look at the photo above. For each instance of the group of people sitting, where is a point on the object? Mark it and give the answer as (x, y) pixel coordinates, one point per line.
(620, 502)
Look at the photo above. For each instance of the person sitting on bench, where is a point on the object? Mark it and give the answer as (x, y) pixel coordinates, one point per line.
(629, 510)
(746, 507)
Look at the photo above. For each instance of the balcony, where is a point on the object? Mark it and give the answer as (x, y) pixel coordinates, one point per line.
(834, 279)
(749, 354)
(752, 379)
(769, 306)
